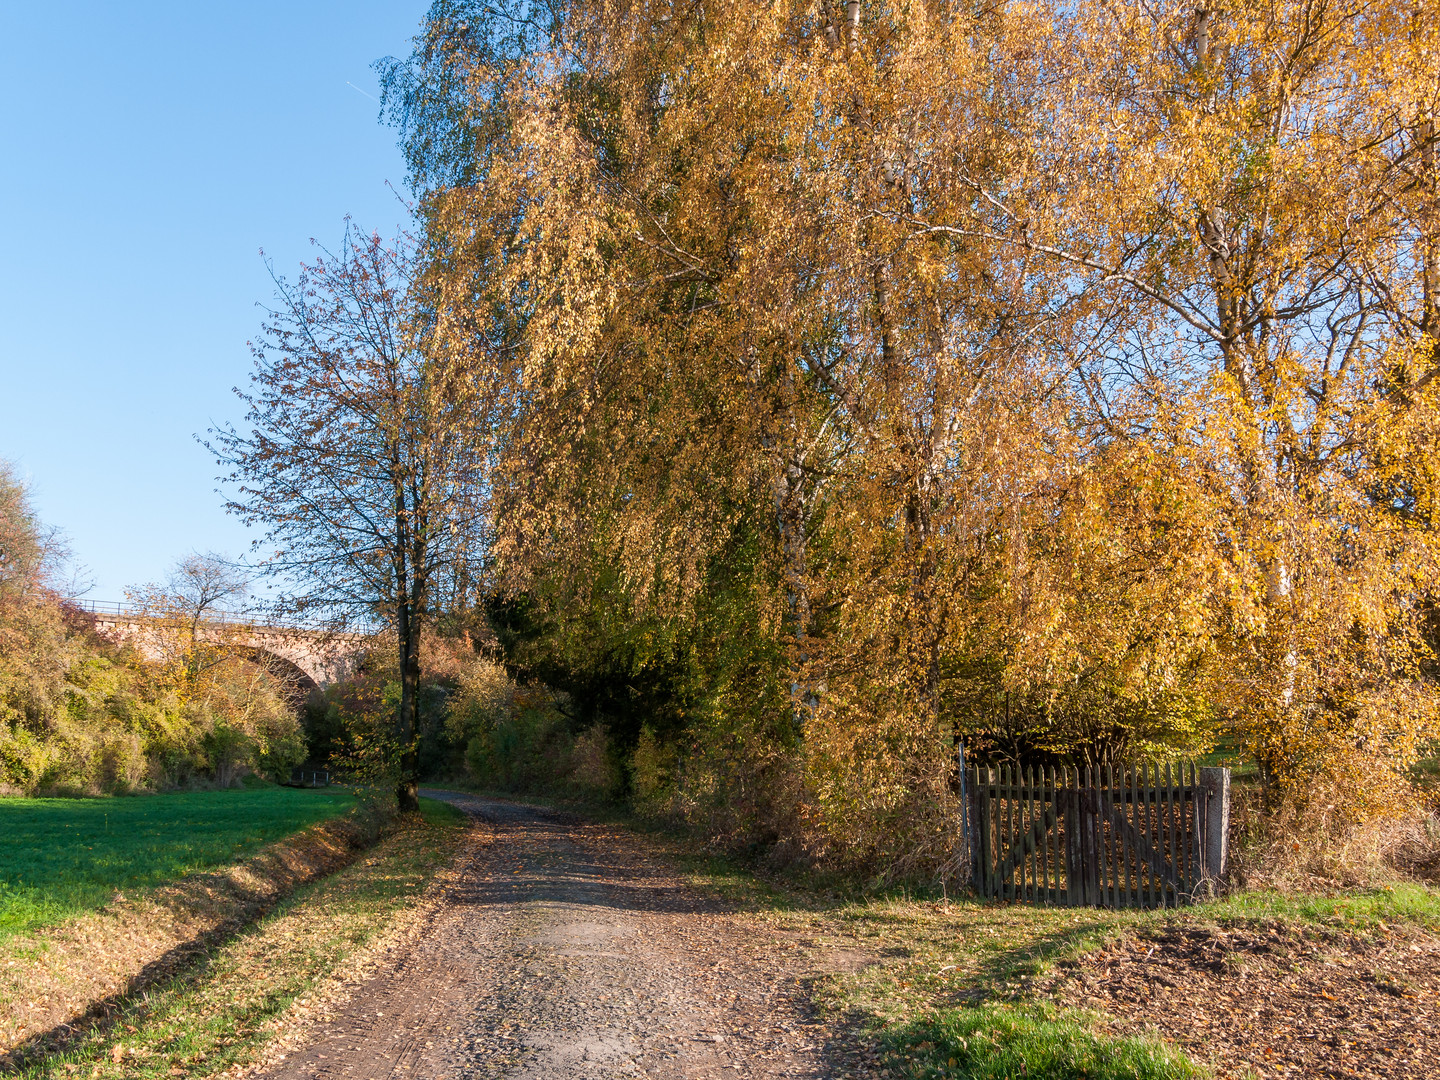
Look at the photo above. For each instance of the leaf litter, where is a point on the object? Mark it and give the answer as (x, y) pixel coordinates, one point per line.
(1273, 1001)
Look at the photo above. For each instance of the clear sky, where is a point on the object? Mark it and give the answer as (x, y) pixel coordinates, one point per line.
(148, 152)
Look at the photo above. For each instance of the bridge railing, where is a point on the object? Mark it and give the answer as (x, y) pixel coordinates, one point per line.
(211, 616)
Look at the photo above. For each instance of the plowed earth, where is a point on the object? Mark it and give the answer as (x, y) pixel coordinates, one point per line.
(1271, 1003)
(564, 949)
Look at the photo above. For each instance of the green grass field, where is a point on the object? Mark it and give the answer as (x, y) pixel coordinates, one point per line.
(61, 857)
(223, 1011)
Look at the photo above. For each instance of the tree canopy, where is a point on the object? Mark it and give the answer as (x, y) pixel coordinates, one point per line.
(1055, 377)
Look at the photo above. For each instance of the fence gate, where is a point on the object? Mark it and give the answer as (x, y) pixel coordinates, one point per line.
(1143, 836)
(308, 778)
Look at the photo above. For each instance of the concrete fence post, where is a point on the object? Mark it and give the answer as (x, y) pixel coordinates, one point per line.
(1215, 783)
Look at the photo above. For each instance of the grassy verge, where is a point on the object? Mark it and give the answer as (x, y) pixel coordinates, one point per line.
(949, 991)
(1000, 1042)
(1361, 910)
(955, 988)
(228, 1007)
(63, 857)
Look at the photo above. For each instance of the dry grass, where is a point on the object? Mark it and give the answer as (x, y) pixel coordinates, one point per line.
(55, 975)
(1414, 849)
(1313, 852)
(241, 1002)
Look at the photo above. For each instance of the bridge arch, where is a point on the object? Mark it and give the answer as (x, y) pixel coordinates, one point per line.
(295, 682)
(305, 657)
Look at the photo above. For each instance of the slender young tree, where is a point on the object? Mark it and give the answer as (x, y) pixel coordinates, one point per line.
(187, 631)
(362, 457)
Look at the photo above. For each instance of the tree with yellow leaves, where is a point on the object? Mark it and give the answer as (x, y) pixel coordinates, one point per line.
(1063, 372)
(1253, 187)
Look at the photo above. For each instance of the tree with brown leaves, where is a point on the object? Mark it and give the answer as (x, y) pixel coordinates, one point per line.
(363, 457)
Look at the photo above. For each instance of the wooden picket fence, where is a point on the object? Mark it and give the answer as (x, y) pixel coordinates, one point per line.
(1143, 836)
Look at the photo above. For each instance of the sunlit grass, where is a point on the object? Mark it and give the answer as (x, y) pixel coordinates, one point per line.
(999, 1042)
(62, 857)
(1359, 908)
(224, 1010)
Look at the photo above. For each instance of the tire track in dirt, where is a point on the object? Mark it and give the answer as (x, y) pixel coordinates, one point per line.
(565, 949)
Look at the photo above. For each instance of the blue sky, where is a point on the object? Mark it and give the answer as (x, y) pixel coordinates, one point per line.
(147, 153)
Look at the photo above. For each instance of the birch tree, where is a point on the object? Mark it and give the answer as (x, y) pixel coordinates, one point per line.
(1248, 183)
(1064, 372)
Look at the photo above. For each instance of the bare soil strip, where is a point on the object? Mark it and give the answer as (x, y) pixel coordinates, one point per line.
(1266, 1004)
(567, 949)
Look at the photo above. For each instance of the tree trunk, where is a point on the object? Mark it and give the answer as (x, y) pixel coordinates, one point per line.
(1430, 259)
(792, 515)
(407, 723)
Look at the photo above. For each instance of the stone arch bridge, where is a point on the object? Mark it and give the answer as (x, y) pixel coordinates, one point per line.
(305, 658)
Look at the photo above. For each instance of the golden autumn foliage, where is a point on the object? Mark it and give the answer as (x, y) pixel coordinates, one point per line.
(239, 703)
(1058, 378)
(79, 713)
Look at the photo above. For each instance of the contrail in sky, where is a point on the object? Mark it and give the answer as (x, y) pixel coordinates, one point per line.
(352, 86)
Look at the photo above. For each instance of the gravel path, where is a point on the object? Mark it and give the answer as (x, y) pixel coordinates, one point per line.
(566, 949)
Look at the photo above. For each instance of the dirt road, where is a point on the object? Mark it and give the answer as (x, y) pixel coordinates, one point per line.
(565, 949)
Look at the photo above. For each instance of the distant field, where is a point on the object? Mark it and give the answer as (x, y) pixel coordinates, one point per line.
(60, 857)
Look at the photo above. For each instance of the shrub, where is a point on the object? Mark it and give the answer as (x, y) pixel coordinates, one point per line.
(653, 769)
(527, 748)
(592, 769)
